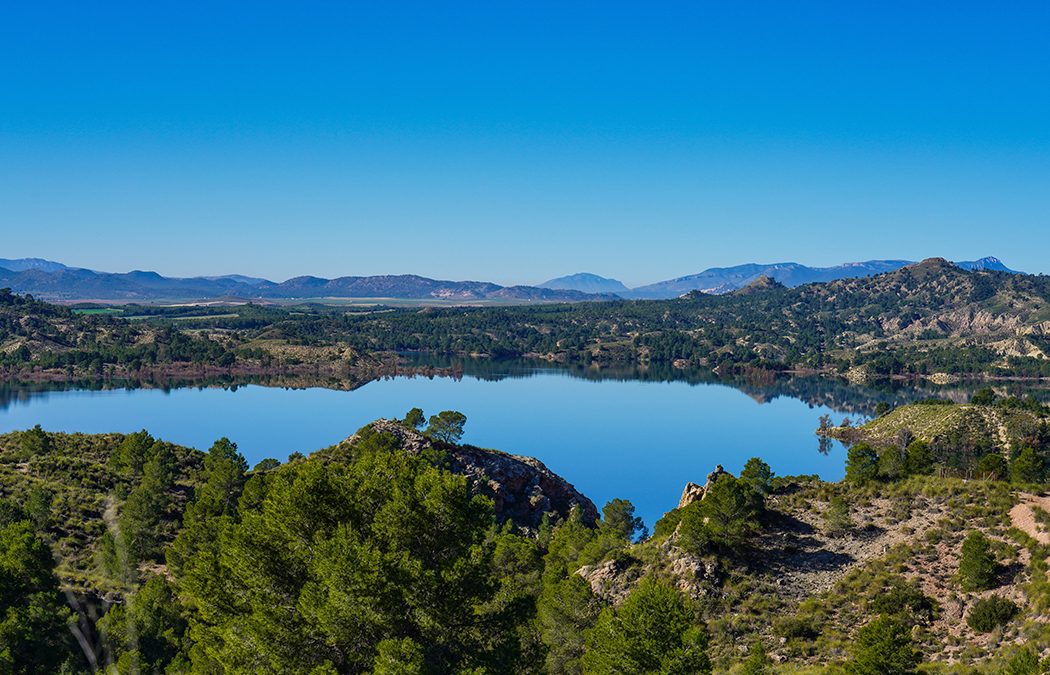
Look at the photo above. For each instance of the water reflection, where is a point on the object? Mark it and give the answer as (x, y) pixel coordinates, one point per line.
(762, 386)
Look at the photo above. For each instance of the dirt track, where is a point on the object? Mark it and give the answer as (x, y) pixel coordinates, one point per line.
(1023, 517)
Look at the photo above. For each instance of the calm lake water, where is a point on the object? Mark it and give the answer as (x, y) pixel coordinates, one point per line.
(610, 434)
(611, 438)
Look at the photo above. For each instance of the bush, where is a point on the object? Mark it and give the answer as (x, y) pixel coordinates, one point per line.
(884, 647)
(904, 599)
(35, 442)
(796, 627)
(1024, 662)
(989, 613)
(837, 518)
(652, 631)
(977, 566)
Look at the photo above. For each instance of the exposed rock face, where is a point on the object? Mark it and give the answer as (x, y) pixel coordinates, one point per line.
(690, 494)
(693, 492)
(522, 488)
(612, 580)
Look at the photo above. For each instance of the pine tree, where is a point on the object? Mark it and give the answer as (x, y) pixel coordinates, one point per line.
(977, 566)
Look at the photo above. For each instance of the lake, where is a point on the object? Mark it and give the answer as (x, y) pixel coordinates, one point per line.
(611, 436)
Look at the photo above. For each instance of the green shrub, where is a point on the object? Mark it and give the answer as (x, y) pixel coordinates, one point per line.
(837, 518)
(902, 598)
(989, 613)
(884, 647)
(796, 627)
(977, 566)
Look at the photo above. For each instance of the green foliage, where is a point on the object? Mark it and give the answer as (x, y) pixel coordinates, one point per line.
(666, 525)
(726, 517)
(446, 426)
(893, 463)
(920, 460)
(1024, 662)
(992, 467)
(983, 396)
(342, 557)
(977, 565)
(133, 453)
(399, 657)
(35, 441)
(33, 633)
(757, 661)
(146, 505)
(837, 518)
(268, 464)
(987, 614)
(1028, 467)
(414, 419)
(566, 609)
(757, 475)
(730, 511)
(903, 599)
(148, 630)
(653, 631)
(884, 647)
(224, 476)
(796, 627)
(619, 521)
(862, 464)
(38, 506)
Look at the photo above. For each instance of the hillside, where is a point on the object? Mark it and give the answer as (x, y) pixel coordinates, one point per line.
(719, 280)
(203, 558)
(924, 319)
(929, 319)
(943, 422)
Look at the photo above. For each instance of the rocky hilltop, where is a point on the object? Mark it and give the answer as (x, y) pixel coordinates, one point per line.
(523, 489)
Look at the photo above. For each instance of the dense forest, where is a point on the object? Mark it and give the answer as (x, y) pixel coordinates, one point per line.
(387, 554)
(928, 319)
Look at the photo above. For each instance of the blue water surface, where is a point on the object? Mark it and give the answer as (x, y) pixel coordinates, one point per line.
(612, 438)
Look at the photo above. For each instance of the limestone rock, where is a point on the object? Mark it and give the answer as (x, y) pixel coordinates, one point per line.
(690, 494)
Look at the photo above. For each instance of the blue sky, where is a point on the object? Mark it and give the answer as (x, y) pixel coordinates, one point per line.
(515, 141)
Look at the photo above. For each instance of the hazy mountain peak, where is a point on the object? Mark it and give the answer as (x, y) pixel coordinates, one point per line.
(987, 263)
(585, 282)
(24, 264)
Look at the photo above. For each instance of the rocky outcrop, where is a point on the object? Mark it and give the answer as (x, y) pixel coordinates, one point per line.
(691, 493)
(694, 493)
(522, 488)
(612, 580)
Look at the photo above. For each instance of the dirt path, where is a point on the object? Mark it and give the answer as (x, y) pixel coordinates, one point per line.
(1023, 517)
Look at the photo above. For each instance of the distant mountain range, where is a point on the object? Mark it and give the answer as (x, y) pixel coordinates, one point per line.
(54, 281)
(719, 280)
(51, 280)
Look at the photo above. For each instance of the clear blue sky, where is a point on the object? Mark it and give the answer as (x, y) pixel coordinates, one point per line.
(515, 141)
